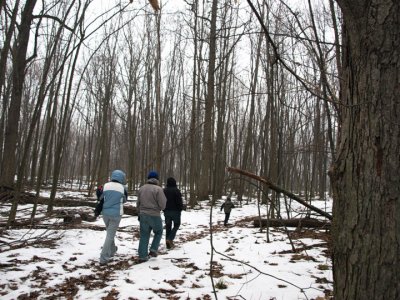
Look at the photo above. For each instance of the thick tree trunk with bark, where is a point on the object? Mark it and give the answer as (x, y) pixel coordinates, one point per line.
(4, 52)
(366, 177)
(19, 65)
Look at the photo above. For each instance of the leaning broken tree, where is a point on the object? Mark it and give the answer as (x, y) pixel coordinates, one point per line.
(280, 190)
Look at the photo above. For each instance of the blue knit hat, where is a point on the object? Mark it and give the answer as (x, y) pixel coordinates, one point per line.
(152, 174)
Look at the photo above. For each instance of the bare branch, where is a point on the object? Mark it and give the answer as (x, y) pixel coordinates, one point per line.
(55, 19)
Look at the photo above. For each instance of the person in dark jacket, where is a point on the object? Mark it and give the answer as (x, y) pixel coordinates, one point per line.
(113, 198)
(99, 192)
(227, 206)
(172, 212)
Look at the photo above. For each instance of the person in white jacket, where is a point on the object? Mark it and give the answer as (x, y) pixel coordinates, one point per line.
(151, 201)
(111, 207)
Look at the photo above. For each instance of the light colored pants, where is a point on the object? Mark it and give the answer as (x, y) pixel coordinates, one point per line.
(109, 248)
(147, 224)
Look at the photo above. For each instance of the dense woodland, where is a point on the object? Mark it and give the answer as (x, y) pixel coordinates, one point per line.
(187, 92)
(287, 90)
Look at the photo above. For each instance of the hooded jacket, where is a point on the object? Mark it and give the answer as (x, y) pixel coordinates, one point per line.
(114, 194)
(151, 199)
(173, 195)
(227, 206)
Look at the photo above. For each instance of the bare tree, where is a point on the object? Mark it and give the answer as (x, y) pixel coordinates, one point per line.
(194, 111)
(3, 70)
(19, 65)
(130, 89)
(206, 152)
(68, 102)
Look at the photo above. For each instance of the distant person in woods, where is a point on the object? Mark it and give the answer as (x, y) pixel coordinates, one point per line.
(111, 206)
(172, 212)
(227, 206)
(99, 192)
(151, 201)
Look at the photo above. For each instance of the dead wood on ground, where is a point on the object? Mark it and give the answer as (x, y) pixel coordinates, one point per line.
(298, 223)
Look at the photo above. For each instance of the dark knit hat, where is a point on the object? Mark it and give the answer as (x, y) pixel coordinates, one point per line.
(171, 181)
(152, 174)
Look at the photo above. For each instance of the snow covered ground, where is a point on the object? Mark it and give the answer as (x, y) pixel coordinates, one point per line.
(245, 264)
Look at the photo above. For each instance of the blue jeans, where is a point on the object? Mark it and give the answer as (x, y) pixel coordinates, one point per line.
(147, 224)
(109, 248)
(175, 217)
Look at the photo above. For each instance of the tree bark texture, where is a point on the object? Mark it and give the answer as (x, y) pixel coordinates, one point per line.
(366, 177)
(4, 52)
(19, 64)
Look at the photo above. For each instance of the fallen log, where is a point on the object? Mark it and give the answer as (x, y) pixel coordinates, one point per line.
(306, 222)
(279, 189)
(27, 198)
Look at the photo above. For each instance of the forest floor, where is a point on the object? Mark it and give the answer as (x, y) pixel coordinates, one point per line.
(57, 260)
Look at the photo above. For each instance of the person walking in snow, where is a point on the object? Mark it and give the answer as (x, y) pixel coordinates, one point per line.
(151, 201)
(111, 206)
(99, 192)
(227, 206)
(172, 212)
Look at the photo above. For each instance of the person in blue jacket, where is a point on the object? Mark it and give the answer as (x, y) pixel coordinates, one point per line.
(113, 197)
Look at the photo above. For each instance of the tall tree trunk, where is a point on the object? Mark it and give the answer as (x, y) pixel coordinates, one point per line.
(106, 106)
(209, 106)
(366, 177)
(64, 126)
(49, 127)
(247, 152)
(226, 62)
(273, 136)
(132, 96)
(194, 113)
(19, 65)
(36, 114)
(3, 71)
(159, 114)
